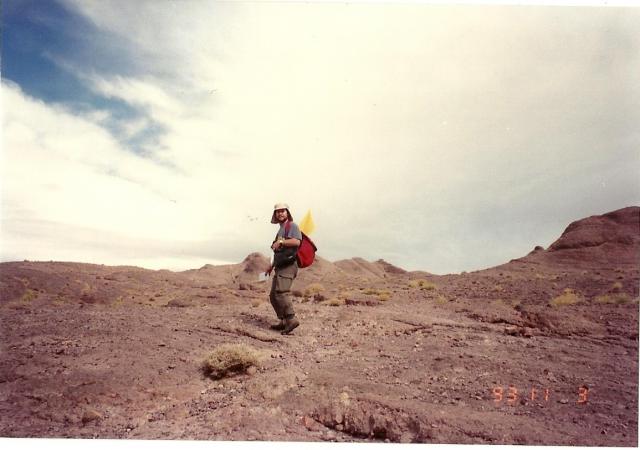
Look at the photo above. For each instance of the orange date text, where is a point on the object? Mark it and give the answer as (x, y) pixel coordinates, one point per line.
(511, 395)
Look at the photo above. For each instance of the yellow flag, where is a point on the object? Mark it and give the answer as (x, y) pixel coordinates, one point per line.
(306, 225)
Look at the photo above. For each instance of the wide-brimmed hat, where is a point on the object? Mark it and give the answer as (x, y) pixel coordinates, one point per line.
(278, 206)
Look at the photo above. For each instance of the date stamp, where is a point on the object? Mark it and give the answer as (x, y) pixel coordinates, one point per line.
(511, 395)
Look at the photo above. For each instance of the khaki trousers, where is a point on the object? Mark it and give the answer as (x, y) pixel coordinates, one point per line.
(280, 295)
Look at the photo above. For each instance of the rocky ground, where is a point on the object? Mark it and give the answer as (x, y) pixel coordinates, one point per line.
(542, 350)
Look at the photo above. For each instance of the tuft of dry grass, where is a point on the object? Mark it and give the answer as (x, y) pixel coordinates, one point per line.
(334, 301)
(616, 287)
(229, 358)
(344, 294)
(422, 284)
(28, 296)
(441, 299)
(617, 299)
(382, 294)
(568, 297)
(313, 289)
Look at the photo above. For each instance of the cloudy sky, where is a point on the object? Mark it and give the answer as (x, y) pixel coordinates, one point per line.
(442, 138)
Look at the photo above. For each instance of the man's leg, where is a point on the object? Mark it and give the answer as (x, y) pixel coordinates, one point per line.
(276, 305)
(283, 282)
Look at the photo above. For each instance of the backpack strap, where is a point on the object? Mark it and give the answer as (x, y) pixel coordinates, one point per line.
(287, 228)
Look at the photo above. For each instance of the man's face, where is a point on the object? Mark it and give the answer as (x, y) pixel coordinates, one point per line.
(281, 215)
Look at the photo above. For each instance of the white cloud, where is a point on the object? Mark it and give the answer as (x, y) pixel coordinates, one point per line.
(408, 129)
(62, 169)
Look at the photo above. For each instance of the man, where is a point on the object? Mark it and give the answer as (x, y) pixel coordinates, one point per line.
(285, 247)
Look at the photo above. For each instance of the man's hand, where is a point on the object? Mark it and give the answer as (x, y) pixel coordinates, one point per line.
(277, 245)
(268, 271)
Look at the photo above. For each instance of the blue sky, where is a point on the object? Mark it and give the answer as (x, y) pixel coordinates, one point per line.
(441, 138)
(45, 41)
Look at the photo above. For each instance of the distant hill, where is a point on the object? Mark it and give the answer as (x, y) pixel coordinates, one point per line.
(608, 239)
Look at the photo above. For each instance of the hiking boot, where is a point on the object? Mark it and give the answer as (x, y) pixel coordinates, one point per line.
(279, 326)
(290, 325)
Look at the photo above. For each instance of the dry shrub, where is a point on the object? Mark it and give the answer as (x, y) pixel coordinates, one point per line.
(422, 284)
(256, 302)
(382, 294)
(177, 303)
(569, 297)
(334, 301)
(228, 358)
(616, 287)
(29, 295)
(618, 299)
(297, 293)
(345, 294)
(312, 289)
(441, 299)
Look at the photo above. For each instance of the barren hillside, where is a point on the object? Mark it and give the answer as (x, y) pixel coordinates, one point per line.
(546, 342)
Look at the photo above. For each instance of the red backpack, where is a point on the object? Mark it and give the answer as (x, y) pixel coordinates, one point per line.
(306, 251)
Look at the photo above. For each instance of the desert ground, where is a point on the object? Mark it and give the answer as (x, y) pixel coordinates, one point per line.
(542, 350)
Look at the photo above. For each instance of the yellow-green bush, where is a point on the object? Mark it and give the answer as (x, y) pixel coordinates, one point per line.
(422, 284)
(568, 297)
(228, 358)
(616, 287)
(312, 289)
(334, 301)
(345, 294)
(382, 294)
(618, 298)
(29, 295)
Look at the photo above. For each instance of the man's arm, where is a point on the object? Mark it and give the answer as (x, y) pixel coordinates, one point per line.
(291, 242)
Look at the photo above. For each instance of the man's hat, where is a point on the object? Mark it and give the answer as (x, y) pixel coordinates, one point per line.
(278, 206)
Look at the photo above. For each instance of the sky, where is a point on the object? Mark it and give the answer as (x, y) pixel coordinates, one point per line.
(437, 137)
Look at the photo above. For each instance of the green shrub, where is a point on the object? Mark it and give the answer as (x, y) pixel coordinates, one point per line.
(228, 358)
